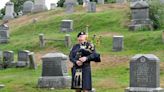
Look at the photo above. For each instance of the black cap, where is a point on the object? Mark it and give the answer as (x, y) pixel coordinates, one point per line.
(81, 33)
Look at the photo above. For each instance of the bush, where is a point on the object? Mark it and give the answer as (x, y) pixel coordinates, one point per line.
(2, 12)
(157, 13)
(110, 1)
(60, 3)
(18, 4)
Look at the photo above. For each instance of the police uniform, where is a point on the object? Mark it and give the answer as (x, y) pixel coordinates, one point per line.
(86, 50)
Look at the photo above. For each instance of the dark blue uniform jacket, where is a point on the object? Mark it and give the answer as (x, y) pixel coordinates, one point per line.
(87, 49)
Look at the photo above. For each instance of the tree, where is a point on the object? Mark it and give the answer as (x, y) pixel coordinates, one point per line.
(18, 4)
(60, 3)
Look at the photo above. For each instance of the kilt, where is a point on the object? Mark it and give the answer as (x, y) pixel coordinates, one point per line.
(86, 77)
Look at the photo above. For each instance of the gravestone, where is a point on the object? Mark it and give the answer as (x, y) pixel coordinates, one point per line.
(68, 41)
(4, 33)
(1, 60)
(134, 0)
(161, 1)
(53, 6)
(9, 11)
(91, 7)
(120, 1)
(66, 25)
(27, 7)
(39, 6)
(8, 59)
(2, 86)
(41, 40)
(144, 74)
(140, 0)
(32, 61)
(85, 3)
(100, 1)
(70, 5)
(118, 43)
(23, 58)
(54, 71)
(140, 16)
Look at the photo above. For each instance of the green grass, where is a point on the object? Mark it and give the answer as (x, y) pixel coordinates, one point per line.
(106, 24)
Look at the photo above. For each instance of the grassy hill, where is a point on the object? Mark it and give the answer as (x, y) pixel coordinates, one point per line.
(111, 75)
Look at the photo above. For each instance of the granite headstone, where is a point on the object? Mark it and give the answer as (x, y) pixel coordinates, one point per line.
(66, 25)
(100, 1)
(140, 16)
(162, 1)
(120, 1)
(1, 60)
(23, 58)
(91, 7)
(54, 71)
(70, 6)
(27, 7)
(9, 11)
(85, 3)
(118, 43)
(33, 64)
(39, 6)
(144, 74)
(2, 86)
(4, 33)
(8, 59)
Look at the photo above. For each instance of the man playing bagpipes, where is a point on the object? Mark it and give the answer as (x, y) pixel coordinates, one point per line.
(81, 55)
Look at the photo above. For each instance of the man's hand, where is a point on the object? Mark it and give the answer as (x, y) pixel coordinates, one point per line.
(79, 63)
(83, 59)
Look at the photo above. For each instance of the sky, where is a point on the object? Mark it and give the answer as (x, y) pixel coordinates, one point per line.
(48, 2)
(2, 3)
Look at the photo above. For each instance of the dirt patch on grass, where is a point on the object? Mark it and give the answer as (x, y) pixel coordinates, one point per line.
(26, 19)
(108, 34)
(107, 83)
(41, 53)
(111, 61)
(111, 6)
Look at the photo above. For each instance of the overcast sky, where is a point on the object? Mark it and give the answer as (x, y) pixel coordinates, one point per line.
(3, 2)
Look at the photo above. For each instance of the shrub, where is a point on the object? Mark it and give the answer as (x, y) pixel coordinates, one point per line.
(157, 13)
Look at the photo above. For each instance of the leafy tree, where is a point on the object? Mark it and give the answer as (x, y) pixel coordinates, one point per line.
(18, 4)
(60, 3)
(157, 13)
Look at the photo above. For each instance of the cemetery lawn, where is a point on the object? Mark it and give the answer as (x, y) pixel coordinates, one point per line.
(111, 75)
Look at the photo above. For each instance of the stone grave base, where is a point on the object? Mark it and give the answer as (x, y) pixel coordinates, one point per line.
(54, 82)
(140, 27)
(9, 65)
(39, 8)
(8, 17)
(141, 89)
(140, 24)
(4, 41)
(117, 49)
(1, 65)
(66, 30)
(21, 64)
